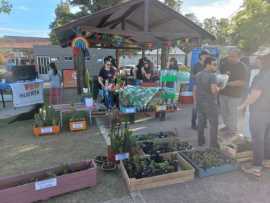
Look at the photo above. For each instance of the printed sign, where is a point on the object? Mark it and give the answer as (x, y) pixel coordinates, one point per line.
(69, 78)
(122, 156)
(46, 130)
(45, 184)
(77, 125)
(27, 93)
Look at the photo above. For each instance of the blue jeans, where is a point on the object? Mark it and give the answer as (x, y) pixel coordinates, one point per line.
(108, 98)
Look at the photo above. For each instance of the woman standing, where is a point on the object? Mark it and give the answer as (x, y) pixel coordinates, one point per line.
(106, 81)
(259, 100)
(55, 92)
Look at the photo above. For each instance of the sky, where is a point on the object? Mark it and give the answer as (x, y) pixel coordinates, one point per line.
(33, 17)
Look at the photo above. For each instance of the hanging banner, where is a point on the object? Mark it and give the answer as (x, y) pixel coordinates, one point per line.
(27, 93)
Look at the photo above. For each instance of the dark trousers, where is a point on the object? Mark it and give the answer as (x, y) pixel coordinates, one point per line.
(210, 113)
(259, 127)
(194, 118)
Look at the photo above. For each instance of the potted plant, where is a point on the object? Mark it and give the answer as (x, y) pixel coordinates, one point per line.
(44, 184)
(77, 122)
(122, 143)
(46, 121)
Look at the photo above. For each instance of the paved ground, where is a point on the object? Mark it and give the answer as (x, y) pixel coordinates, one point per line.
(21, 152)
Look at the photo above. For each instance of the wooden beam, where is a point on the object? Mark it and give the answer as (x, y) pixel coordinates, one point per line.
(139, 27)
(146, 15)
(125, 15)
(103, 20)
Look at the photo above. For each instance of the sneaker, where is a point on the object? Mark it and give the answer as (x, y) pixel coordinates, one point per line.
(266, 164)
(252, 170)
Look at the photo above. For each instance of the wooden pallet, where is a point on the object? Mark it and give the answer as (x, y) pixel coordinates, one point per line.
(134, 184)
(238, 156)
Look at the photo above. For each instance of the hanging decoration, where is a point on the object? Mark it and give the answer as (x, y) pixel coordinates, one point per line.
(80, 42)
(149, 45)
(168, 44)
(118, 41)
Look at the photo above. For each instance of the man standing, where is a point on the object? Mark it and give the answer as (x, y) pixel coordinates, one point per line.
(232, 95)
(196, 69)
(206, 90)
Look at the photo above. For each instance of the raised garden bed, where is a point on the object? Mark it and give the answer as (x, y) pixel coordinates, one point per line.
(45, 184)
(160, 137)
(50, 130)
(171, 169)
(77, 125)
(151, 147)
(240, 151)
(209, 162)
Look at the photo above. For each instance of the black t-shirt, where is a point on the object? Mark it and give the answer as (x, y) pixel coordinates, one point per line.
(261, 82)
(236, 72)
(107, 75)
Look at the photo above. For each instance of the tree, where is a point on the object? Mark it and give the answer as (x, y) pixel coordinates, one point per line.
(5, 6)
(251, 25)
(193, 18)
(92, 6)
(219, 28)
(63, 15)
(174, 4)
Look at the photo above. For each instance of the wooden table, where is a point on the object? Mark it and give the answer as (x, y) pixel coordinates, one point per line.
(68, 108)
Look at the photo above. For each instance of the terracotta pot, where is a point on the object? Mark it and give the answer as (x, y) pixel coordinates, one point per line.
(25, 189)
(77, 125)
(49, 130)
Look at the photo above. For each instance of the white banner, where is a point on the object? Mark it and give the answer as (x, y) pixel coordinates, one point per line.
(27, 93)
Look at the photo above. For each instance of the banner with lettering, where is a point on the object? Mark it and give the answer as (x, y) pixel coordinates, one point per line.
(27, 93)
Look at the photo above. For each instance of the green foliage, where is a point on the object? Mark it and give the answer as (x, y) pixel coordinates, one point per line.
(5, 6)
(193, 18)
(46, 116)
(63, 16)
(88, 7)
(218, 28)
(174, 4)
(251, 25)
(122, 139)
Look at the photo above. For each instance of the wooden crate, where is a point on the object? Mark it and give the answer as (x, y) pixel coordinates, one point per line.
(238, 156)
(134, 184)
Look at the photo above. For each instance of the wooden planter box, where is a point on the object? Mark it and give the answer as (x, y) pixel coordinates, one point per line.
(23, 189)
(77, 125)
(49, 130)
(238, 156)
(171, 138)
(134, 184)
(200, 172)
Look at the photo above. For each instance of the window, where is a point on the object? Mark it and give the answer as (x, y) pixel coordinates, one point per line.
(68, 58)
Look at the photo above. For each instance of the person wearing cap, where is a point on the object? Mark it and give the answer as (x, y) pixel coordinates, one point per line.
(232, 95)
(198, 67)
(259, 103)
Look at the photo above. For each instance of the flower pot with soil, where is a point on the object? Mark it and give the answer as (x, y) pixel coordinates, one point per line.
(108, 166)
(46, 122)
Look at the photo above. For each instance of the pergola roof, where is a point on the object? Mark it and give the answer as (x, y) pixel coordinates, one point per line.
(141, 20)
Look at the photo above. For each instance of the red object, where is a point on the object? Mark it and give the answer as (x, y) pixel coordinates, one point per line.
(186, 99)
(111, 154)
(76, 51)
(17, 189)
(149, 84)
(70, 78)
